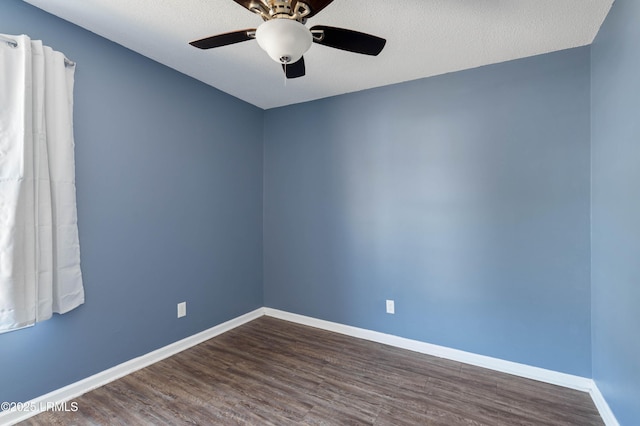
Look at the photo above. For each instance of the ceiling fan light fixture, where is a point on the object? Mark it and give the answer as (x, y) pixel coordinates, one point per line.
(284, 40)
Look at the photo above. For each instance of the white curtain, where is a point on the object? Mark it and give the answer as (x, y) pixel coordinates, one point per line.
(39, 247)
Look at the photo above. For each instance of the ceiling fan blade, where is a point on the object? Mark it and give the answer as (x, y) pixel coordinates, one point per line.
(349, 40)
(315, 5)
(295, 70)
(224, 39)
(247, 4)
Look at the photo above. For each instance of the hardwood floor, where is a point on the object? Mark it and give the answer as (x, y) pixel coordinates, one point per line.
(272, 372)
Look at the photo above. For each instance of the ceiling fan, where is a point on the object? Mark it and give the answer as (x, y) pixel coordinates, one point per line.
(285, 38)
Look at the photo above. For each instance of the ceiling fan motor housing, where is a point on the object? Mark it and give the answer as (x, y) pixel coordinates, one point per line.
(275, 9)
(284, 40)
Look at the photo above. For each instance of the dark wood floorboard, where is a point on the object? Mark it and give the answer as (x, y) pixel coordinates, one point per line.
(273, 372)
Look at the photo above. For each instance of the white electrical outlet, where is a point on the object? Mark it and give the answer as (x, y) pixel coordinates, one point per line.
(391, 308)
(182, 309)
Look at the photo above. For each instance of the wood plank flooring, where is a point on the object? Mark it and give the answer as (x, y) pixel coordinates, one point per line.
(273, 372)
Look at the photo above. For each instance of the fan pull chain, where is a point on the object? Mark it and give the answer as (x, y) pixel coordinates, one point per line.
(285, 74)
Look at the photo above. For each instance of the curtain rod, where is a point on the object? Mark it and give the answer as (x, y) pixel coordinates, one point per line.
(11, 42)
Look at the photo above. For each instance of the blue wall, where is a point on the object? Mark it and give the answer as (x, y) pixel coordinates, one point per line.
(463, 197)
(615, 121)
(169, 194)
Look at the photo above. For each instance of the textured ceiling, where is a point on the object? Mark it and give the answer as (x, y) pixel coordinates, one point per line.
(424, 38)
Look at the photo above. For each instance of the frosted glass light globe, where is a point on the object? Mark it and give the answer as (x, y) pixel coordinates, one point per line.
(284, 40)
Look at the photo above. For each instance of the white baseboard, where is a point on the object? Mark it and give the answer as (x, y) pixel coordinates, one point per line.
(607, 415)
(74, 390)
(535, 373)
